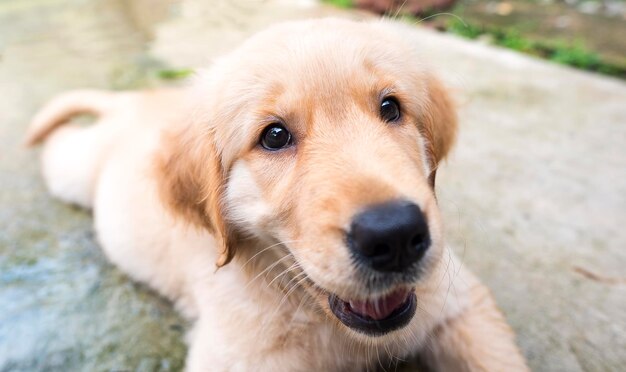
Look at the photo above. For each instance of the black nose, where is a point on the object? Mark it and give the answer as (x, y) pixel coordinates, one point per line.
(390, 237)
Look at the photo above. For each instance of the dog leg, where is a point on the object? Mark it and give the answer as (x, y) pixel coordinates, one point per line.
(478, 339)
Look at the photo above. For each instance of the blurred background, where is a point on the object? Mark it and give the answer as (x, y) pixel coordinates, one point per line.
(534, 196)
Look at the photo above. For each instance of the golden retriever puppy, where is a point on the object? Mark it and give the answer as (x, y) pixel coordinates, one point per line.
(302, 164)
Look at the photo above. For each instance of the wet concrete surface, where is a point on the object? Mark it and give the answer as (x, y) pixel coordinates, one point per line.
(63, 307)
(534, 196)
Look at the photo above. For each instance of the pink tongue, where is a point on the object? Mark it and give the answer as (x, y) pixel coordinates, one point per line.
(382, 307)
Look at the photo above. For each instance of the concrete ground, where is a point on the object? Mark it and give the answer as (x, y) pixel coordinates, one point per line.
(534, 196)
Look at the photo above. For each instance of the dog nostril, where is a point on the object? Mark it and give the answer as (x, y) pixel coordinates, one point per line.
(380, 249)
(417, 239)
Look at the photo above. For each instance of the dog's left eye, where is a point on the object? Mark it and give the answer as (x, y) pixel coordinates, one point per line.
(275, 137)
(390, 110)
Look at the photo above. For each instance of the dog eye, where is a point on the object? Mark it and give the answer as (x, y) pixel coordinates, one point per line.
(390, 110)
(275, 137)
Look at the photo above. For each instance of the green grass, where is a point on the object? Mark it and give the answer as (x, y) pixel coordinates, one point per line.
(340, 3)
(576, 55)
(463, 29)
(570, 54)
(174, 74)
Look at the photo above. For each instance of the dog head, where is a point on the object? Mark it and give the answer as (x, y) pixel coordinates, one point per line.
(319, 141)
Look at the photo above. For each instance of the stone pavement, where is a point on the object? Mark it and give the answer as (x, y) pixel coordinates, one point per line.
(534, 196)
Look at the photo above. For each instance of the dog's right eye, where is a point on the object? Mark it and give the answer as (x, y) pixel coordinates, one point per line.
(390, 110)
(275, 137)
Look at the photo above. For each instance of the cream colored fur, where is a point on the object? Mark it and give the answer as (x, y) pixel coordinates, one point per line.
(139, 167)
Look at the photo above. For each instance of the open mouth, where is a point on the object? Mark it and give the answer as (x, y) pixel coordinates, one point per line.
(377, 316)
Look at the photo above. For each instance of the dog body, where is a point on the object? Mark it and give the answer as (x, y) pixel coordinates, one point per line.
(279, 158)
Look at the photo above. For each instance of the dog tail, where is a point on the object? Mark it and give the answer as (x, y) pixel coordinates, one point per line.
(62, 108)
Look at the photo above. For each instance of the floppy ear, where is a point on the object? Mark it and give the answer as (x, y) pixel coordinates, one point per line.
(192, 182)
(439, 124)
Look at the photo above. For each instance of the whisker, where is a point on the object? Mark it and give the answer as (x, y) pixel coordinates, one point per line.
(269, 320)
(267, 269)
(397, 13)
(286, 271)
(266, 249)
(290, 291)
(438, 14)
(295, 265)
(302, 300)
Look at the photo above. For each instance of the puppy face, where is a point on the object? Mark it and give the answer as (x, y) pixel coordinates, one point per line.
(320, 139)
